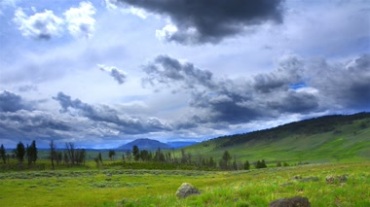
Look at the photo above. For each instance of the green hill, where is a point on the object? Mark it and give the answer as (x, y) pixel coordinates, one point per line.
(328, 138)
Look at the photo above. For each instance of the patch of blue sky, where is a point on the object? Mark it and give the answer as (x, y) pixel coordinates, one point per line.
(298, 85)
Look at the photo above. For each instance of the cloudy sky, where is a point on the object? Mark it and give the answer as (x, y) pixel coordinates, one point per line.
(101, 73)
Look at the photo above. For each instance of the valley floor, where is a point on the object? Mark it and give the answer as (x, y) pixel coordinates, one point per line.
(157, 187)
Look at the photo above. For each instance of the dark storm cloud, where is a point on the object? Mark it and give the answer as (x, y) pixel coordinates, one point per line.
(109, 116)
(21, 119)
(201, 21)
(296, 87)
(31, 125)
(346, 84)
(293, 102)
(289, 72)
(10, 102)
(167, 70)
(231, 101)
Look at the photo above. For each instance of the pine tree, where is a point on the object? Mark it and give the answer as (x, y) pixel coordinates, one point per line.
(212, 163)
(2, 153)
(20, 151)
(136, 152)
(235, 165)
(258, 164)
(33, 152)
(100, 159)
(52, 153)
(263, 164)
(28, 153)
(246, 165)
(159, 156)
(111, 154)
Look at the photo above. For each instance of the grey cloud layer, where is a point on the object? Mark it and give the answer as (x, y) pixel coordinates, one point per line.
(19, 119)
(10, 102)
(167, 70)
(346, 84)
(109, 116)
(201, 21)
(297, 87)
(33, 124)
(76, 119)
(323, 87)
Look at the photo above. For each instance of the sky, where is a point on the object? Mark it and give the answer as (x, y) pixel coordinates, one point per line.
(101, 73)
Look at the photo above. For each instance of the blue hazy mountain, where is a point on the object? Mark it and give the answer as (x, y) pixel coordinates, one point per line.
(151, 144)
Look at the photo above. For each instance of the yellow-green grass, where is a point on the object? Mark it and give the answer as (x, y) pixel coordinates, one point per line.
(119, 187)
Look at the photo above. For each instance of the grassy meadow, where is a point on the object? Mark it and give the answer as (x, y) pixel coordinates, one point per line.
(122, 187)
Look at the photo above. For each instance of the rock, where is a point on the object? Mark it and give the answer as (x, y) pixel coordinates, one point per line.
(310, 179)
(185, 190)
(306, 179)
(331, 179)
(291, 202)
(297, 177)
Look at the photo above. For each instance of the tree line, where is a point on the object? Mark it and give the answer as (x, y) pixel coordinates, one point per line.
(71, 156)
(20, 153)
(227, 162)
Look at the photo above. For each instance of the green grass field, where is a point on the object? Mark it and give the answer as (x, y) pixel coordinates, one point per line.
(120, 187)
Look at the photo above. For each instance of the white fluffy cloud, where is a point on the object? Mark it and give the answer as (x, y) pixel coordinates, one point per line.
(43, 25)
(80, 20)
(166, 32)
(113, 5)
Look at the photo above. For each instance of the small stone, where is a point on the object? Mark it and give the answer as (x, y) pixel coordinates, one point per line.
(310, 179)
(297, 177)
(331, 179)
(291, 202)
(185, 190)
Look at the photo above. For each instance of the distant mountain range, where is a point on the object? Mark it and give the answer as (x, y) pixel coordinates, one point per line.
(151, 144)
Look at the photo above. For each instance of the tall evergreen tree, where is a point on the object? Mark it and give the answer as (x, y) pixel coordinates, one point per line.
(159, 156)
(212, 163)
(226, 157)
(263, 164)
(224, 163)
(28, 154)
(247, 165)
(258, 164)
(31, 152)
(2, 153)
(111, 154)
(52, 153)
(145, 155)
(100, 159)
(34, 152)
(20, 151)
(136, 152)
